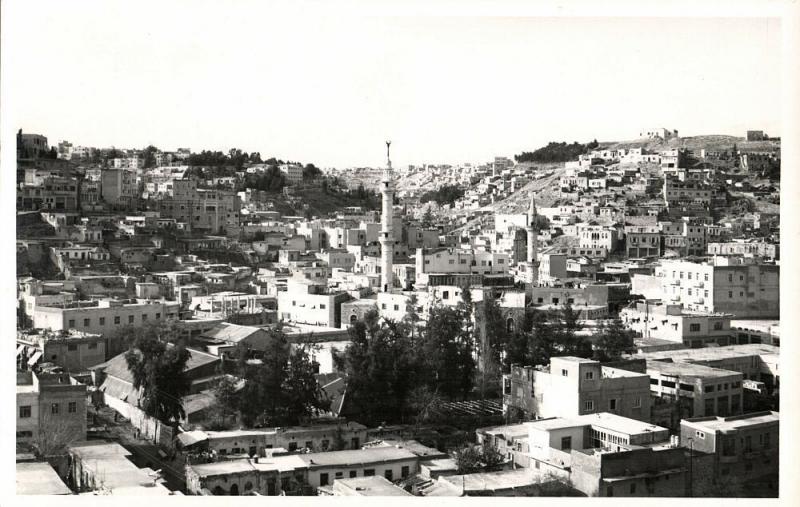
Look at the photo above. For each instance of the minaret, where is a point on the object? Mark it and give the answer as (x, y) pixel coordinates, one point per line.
(386, 235)
(532, 232)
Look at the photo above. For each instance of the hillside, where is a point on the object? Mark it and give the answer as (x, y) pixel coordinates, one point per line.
(695, 143)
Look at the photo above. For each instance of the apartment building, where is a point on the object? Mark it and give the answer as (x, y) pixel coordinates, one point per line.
(740, 448)
(697, 390)
(104, 316)
(214, 211)
(673, 323)
(50, 403)
(642, 241)
(721, 285)
(54, 193)
(74, 351)
(745, 248)
(308, 302)
(573, 386)
(452, 260)
(119, 188)
(677, 193)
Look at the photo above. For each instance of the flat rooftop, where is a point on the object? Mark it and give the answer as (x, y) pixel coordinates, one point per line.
(246, 465)
(368, 486)
(357, 456)
(110, 464)
(554, 423)
(493, 481)
(712, 353)
(39, 479)
(618, 423)
(733, 423)
(688, 370)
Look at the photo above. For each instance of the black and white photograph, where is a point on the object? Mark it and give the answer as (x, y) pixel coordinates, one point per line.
(383, 250)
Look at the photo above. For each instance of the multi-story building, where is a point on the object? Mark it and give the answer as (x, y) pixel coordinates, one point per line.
(679, 193)
(102, 316)
(293, 172)
(50, 406)
(31, 145)
(745, 248)
(731, 285)
(308, 302)
(214, 211)
(672, 323)
(697, 390)
(119, 188)
(572, 386)
(642, 241)
(72, 350)
(54, 193)
(737, 448)
(597, 236)
(451, 260)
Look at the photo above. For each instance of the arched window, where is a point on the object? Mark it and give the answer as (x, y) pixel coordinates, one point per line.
(218, 491)
(235, 490)
(353, 319)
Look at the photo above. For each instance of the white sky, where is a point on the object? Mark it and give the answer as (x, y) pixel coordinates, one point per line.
(329, 90)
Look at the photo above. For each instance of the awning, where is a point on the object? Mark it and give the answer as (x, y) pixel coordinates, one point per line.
(35, 358)
(192, 437)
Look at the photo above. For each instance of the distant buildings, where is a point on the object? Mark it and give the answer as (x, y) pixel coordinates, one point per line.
(658, 133)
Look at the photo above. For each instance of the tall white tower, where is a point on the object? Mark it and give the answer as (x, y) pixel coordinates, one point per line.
(386, 235)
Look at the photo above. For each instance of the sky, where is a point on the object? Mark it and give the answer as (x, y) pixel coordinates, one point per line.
(331, 89)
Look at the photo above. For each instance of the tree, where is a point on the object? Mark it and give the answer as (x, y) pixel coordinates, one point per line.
(158, 374)
(226, 396)
(613, 341)
(447, 353)
(280, 389)
(149, 155)
(478, 458)
(427, 218)
(380, 367)
(55, 434)
(310, 172)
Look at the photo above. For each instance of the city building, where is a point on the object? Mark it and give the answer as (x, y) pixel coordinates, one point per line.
(51, 409)
(572, 386)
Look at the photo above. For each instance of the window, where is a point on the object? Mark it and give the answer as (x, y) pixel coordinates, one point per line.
(116, 320)
(353, 473)
(588, 405)
(24, 411)
(158, 315)
(446, 294)
(86, 322)
(700, 435)
(404, 472)
(564, 373)
(130, 319)
(369, 472)
(637, 402)
(388, 474)
(717, 326)
(72, 407)
(612, 404)
(730, 294)
(383, 306)
(102, 321)
(323, 479)
(566, 443)
(72, 347)
(309, 445)
(709, 389)
(292, 446)
(694, 328)
(589, 375)
(71, 323)
(339, 475)
(54, 408)
(322, 306)
(144, 317)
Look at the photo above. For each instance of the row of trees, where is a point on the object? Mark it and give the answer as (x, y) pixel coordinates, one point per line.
(400, 372)
(397, 371)
(556, 152)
